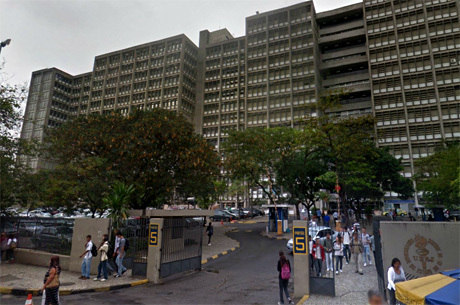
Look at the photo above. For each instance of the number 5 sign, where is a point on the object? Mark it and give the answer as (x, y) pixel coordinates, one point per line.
(300, 241)
(153, 235)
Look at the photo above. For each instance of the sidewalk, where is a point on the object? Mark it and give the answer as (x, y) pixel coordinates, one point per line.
(221, 244)
(22, 279)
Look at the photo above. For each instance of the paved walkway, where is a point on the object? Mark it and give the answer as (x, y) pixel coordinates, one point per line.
(26, 277)
(220, 242)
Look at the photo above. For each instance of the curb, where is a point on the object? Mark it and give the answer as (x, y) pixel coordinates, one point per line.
(303, 299)
(214, 257)
(35, 292)
(275, 237)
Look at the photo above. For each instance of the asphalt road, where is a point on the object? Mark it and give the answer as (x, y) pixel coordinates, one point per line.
(246, 276)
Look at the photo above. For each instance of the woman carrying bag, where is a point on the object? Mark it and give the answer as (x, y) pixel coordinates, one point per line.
(51, 283)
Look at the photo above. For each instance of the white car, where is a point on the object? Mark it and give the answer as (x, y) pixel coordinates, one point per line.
(314, 232)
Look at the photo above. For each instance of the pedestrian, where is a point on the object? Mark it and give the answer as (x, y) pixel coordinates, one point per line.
(346, 244)
(318, 214)
(416, 212)
(210, 230)
(10, 247)
(284, 274)
(112, 264)
(326, 219)
(3, 245)
(411, 218)
(51, 283)
(373, 246)
(356, 252)
(374, 298)
(121, 254)
(318, 255)
(102, 267)
(395, 274)
(366, 240)
(87, 256)
(329, 248)
(335, 215)
(310, 254)
(338, 253)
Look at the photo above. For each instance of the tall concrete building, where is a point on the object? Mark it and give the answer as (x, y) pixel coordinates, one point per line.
(398, 59)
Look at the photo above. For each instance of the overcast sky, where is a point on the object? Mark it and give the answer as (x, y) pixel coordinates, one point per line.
(68, 34)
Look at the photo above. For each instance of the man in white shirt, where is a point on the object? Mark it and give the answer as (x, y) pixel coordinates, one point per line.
(87, 256)
(367, 247)
(346, 235)
(310, 255)
(11, 246)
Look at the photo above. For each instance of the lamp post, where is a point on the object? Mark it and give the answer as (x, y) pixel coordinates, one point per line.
(4, 44)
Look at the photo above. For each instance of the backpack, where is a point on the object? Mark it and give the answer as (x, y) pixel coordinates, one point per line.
(94, 251)
(285, 272)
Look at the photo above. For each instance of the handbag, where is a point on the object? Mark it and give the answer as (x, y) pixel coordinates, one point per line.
(54, 282)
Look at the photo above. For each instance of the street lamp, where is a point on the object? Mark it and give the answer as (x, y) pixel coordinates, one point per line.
(4, 44)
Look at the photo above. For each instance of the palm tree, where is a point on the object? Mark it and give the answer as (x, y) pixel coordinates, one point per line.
(118, 202)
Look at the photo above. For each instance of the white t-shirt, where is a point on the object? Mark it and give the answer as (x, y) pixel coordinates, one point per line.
(12, 240)
(346, 238)
(310, 246)
(88, 247)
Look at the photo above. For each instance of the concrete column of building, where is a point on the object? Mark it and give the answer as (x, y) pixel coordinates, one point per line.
(96, 227)
(301, 261)
(154, 250)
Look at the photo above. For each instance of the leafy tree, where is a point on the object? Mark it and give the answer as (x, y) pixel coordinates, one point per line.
(155, 151)
(253, 155)
(117, 201)
(438, 177)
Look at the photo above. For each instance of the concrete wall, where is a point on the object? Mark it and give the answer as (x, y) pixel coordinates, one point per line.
(154, 253)
(423, 248)
(96, 227)
(39, 258)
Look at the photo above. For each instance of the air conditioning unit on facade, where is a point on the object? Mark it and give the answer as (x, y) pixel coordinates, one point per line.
(453, 61)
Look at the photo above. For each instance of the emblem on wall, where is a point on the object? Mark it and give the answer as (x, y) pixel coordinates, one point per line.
(423, 255)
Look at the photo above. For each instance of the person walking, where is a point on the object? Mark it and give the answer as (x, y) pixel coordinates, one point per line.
(51, 283)
(310, 254)
(329, 248)
(346, 244)
(87, 256)
(338, 253)
(356, 252)
(10, 247)
(318, 255)
(102, 267)
(335, 215)
(318, 214)
(366, 240)
(326, 219)
(373, 246)
(284, 274)
(121, 254)
(210, 230)
(112, 263)
(395, 274)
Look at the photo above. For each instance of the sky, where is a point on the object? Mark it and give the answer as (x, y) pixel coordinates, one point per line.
(68, 34)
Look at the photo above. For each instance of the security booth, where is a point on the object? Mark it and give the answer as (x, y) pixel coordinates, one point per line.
(278, 216)
(174, 242)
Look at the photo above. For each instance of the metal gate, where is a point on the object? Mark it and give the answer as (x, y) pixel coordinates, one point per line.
(323, 283)
(181, 245)
(136, 232)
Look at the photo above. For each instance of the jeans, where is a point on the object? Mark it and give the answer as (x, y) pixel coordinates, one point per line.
(357, 259)
(284, 287)
(102, 267)
(338, 260)
(121, 268)
(367, 254)
(86, 267)
(319, 266)
(392, 293)
(329, 263)
(312, 263)
(346, 252)
(209, 238)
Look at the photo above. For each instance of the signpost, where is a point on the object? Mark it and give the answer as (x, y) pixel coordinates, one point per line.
(300, 245)
(301, 259)
(153, 235)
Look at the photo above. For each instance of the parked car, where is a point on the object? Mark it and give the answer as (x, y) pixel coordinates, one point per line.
(239, 213)
(29, 228)
(399, 212)
(54, 237)
(220, 215)
(314, 232)
(257, 212)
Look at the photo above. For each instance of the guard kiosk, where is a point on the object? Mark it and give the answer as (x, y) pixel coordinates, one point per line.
(281, 213)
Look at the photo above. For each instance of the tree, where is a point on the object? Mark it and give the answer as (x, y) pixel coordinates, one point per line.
(12, 172)
(155, 151)
(438, 177)
(117, 202)
(252, 155)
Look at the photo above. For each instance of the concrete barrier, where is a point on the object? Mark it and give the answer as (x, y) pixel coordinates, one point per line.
(423, 248)
(39, 258)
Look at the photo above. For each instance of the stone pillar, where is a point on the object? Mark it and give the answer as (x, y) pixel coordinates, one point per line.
(154, 251)
(96, 227)
(301, 258)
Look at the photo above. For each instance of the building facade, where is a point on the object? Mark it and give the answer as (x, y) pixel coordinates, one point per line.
(398, 60)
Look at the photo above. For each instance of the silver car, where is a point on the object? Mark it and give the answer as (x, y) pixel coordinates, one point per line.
(314, 232)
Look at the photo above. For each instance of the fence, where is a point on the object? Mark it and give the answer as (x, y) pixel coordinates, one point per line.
(44, 234)
(136, 232)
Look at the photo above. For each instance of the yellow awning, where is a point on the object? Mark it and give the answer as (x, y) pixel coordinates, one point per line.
(413, 292)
